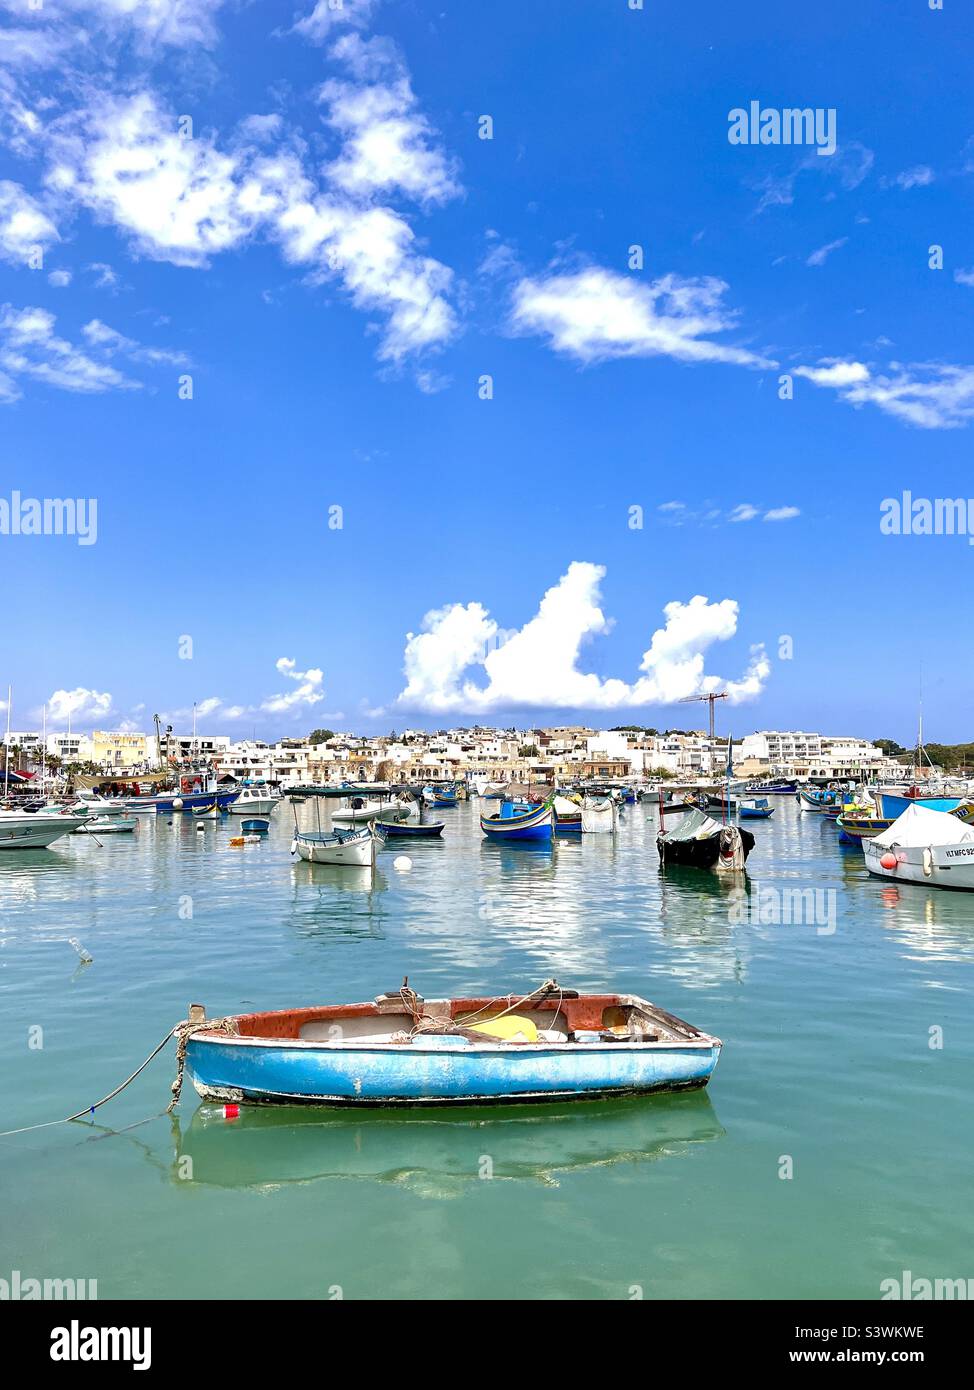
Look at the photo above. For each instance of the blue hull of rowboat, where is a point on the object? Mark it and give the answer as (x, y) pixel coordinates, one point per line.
(436, 1070)
(530, 825)
(755, 812)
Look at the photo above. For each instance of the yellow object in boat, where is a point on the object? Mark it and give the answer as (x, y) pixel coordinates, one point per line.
(509, 1027)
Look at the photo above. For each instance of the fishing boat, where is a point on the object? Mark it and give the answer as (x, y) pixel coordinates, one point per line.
(600, 815)
(210, 812)
(781, 786)
(515, 823)
(703, 843)
(197, 788)
(754, 808)
(253, 801)
(37, 829)
(856, 826)
(933, 848)
(817, 799)
(445, 796)
(399, 1049)
(409, 829)
(256, 825)
(347, 847)
(568, 816)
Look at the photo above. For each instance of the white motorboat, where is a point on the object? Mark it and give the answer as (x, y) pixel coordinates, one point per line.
(37, 829)
(349, 847)
(934, 848)
(108, 825)
(253, 801)
(365, 809)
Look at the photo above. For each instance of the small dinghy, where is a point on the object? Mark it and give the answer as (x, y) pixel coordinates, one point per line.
(703, 843)
(409, 829)
(109, 825)
(933, 848)
(399, 1049)
(356, 847)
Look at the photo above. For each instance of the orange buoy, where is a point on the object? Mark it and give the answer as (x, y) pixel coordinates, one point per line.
(888, 861)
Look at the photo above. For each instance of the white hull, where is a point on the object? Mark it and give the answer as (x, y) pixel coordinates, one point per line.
(253, 806)
(108, 825)
(35, 831)
(934, 866)
(391, 810)
(359, 854)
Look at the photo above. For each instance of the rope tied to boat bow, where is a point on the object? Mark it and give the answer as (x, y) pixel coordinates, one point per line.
(182, 1033)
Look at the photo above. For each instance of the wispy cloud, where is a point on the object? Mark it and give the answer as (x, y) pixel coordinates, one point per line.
(594, 315)
(820, 256)
(933, 396)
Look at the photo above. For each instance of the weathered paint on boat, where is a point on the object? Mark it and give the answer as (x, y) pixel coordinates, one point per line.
(326, 1056)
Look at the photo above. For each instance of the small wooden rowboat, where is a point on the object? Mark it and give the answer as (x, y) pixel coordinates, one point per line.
(400, 1049)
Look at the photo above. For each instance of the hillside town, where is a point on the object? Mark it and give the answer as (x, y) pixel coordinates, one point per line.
(536, 756)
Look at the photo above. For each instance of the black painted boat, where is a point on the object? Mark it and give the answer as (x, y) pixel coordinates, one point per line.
(700, 842)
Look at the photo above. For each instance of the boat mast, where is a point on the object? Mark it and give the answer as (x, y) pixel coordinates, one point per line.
(6, 749)
(44, 754)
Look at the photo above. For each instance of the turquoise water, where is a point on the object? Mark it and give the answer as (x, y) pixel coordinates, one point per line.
(827, 1061)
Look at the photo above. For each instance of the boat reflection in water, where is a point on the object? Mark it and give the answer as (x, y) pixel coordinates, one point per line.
(441, 1156)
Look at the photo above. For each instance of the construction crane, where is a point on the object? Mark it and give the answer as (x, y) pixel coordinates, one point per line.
(722, 695)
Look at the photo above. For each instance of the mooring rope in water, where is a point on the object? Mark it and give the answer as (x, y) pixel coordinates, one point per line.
(181, 1031)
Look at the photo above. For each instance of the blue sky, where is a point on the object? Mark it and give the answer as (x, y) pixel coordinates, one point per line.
(336, 259)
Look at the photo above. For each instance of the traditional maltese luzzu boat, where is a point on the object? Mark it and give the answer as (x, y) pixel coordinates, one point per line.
(399, 1049)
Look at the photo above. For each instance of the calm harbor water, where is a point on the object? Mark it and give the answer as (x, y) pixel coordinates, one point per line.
(827, 1061)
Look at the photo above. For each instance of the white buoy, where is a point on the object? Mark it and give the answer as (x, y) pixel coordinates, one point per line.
(402, 863)
(177, 804)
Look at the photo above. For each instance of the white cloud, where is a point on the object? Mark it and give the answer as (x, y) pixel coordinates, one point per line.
(171, 23)
(537, 666)
(327, 15)
(30, 347)
(744, 511)
(782, 514)
(59, 279)
(920, 176)
(179, 199)
(308, 690)
(24, 225)
(596, 314)
(965, 277)
(933, 396)
(833, 372)
(78, 705)
(820, 256)
(849, 167)
(387, 142)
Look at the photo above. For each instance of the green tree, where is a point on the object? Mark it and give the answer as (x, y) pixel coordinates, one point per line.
(320, 735)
